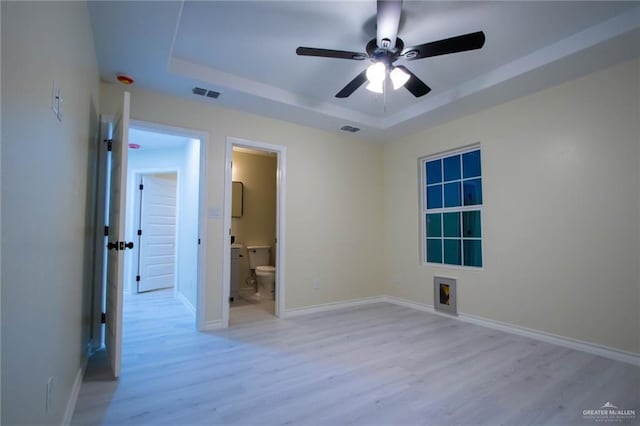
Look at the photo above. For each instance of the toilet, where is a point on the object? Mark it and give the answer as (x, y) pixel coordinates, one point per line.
(259, 259)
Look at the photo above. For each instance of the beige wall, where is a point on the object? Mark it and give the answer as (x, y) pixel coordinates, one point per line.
(561, 211)
(47, 198)
(257, 226)
(334, 201)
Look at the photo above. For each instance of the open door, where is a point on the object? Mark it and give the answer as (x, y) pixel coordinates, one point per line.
(117, 245)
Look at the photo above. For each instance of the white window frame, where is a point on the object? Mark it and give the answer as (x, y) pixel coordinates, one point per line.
(423, 208)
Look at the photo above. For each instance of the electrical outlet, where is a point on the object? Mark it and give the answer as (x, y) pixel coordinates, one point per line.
(49, 393)
(315, 284)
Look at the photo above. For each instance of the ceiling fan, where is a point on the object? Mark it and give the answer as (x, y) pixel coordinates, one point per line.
(387, 48)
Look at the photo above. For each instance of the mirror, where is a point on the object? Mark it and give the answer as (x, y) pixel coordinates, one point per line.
(237, 199)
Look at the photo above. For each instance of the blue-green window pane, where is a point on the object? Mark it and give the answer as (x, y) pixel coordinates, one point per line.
(452, 255)
(451, 224)
(471, 224)
(472, 253)
(451, 168)
(434, 250)
(434, 171)
(472, 190)
(452, 196)
(471, 164)
(434, 197)
(434, 225)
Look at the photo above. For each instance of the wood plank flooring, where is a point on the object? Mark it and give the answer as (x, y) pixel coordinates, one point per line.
(379, 364)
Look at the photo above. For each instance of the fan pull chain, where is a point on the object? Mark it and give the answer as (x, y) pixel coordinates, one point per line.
(384, 95)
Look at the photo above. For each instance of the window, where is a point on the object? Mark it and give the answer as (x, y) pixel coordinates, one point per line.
(452, 208)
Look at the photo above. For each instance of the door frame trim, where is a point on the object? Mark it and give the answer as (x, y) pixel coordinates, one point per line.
(98, 294)
(281, 152)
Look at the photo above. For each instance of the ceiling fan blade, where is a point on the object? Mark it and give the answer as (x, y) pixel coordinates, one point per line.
(388, 21)
(329, 53)
(414, 85)
(352, 85)
(459, 43)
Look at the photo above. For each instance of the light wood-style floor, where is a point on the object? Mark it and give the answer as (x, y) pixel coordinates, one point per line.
(376, 365)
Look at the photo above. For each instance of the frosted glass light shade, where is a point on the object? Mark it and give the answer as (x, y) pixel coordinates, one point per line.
(376, 73)
(375, 87)
(398, 78)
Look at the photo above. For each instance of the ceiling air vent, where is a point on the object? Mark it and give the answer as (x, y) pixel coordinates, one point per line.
(349, 129)
(204, 92)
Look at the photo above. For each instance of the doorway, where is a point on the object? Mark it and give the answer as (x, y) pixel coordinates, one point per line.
(162, 215)
(262, 233)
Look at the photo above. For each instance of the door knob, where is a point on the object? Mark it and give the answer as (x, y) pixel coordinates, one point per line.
(120, 245)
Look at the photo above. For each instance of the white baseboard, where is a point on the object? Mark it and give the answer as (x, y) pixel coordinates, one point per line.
(73, 397)
(212, 325)
(186, 303)
(289, 313)
(567, 342)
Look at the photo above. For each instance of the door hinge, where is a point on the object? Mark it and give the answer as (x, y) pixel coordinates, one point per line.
(138, 278)
(141, 187)
(198, 241)
(109, 144)
(103, 318)
(106, 231)
(139, 231)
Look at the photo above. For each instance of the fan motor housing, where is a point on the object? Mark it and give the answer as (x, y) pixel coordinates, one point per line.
(384, 54)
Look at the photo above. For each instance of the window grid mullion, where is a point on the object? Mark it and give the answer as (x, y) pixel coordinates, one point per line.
(456, 209)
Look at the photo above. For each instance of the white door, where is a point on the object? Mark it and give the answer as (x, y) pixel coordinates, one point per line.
(157, 251)
(115, 257)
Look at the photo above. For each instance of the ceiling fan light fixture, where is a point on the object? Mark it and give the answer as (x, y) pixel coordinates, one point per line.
(376, 73)
(375, 87)
(398, 77)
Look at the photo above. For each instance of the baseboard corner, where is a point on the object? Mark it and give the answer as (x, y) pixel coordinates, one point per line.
(212, 325)
(187, 304)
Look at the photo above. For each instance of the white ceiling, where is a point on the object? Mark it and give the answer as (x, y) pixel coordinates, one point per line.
(246, 51)
(151, 140)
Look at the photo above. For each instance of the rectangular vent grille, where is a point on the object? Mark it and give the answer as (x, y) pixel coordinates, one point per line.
(204, 92)
(349, 129)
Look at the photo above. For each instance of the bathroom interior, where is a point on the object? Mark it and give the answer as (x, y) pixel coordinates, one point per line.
(253, 230)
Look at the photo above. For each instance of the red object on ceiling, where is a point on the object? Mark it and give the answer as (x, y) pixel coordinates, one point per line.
(125, 79)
